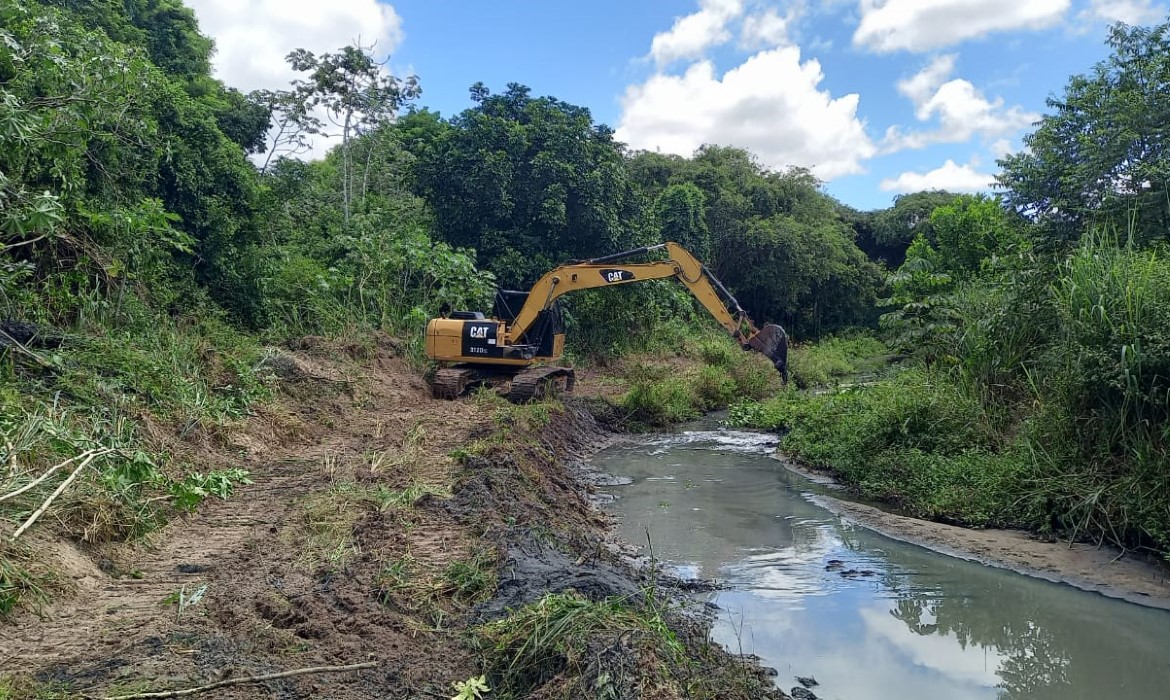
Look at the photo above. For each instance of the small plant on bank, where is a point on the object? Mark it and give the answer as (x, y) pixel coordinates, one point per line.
(471, 689)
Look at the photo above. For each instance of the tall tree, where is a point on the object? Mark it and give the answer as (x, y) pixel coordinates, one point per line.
(681, 213)
(1102, 156)
(528, 182)
(355, 90)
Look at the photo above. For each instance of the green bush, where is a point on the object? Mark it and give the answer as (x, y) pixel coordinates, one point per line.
(825, 362)
(714, 387)
(916, 439)
(661, 402)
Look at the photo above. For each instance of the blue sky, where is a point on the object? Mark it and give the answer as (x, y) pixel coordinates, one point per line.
(878, 97)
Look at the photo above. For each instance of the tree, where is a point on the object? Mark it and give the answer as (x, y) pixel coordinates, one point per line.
(681, 212)
(971, 233)
(806, 275)
(355, 91)
(895, 228)
(292, 124)
(528, 182)
(1101, 156)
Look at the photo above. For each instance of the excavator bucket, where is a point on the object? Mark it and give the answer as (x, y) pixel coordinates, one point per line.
(772, 343)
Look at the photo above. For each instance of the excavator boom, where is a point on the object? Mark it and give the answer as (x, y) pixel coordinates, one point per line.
(607, 272)
(512, 344)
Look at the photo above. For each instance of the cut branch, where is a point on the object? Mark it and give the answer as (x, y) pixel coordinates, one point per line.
(247, 679)
(19, 347)
(60, 489)
(44, 476)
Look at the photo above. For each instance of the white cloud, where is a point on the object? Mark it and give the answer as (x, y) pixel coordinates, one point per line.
(1128, 11)
(922, 85)
(693, 34)
(770, 105)
(252, 37)
(950, 177)
(1002, 148)
(962, 110)
(767, 29)
(924, 25)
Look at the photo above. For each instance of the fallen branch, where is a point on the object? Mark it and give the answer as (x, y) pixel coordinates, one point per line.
(19, 347)
(64, 485)
(11, 459)
(247, 679)
(46, 475)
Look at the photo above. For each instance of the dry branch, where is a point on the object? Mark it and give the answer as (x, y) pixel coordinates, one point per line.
(11, 459)
(94, 454)
(44, 476)
(246, 679)
(19, 347)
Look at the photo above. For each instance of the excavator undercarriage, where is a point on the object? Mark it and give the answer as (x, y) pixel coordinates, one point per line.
(528, 384)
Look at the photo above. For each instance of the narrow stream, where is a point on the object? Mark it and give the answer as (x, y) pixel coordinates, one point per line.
(868, 617)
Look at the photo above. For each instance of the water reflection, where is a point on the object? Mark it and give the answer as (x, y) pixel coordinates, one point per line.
(870, 617)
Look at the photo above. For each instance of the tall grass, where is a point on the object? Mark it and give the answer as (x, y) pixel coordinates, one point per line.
(832, 359)
(711, 374)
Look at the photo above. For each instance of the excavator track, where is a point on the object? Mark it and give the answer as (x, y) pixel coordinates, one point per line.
(538, 382)
(450, 383)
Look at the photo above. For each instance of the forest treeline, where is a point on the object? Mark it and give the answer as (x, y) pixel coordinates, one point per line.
(157, 228)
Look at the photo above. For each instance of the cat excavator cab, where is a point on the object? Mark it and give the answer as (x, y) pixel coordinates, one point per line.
(523, 338)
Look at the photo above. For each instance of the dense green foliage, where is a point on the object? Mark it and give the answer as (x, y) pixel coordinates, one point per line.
(156, 234)
(1100, 159)
(660, 395)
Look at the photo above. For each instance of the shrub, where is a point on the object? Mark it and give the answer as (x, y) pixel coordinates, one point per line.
(714, 387)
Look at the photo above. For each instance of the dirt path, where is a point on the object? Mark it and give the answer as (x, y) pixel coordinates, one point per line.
(343, 435)
(382, 525)
(1100, 570)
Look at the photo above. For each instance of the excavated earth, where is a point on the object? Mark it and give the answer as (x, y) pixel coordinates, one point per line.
(365, 495)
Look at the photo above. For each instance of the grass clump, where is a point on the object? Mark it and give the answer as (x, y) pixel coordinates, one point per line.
(20, 584)
(656, 398)
(663, 392)
(576, 647)
(827, 361)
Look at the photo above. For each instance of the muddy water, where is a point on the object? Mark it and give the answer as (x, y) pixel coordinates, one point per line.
(868, 617)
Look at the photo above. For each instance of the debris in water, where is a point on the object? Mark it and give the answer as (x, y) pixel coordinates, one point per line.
(807, 681)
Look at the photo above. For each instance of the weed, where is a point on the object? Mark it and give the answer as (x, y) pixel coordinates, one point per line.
(470, 582)
(195, 487)
(471, 689)
(657, 398)
(23, 687)
(829, 360)
(714, 387)
(184, 600)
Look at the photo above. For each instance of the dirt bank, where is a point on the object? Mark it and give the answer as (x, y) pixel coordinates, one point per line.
(383, 526)
(1101, 570)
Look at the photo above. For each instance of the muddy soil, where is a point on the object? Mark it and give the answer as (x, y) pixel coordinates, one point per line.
(1103, 570)
(371, 533)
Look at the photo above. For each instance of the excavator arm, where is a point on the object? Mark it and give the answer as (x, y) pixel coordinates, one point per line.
(609, 271)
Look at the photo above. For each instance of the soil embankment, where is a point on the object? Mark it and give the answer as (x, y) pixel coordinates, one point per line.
(383, 526)
(1103, 570)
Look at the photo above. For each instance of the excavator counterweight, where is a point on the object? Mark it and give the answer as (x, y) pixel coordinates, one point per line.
(524, 334)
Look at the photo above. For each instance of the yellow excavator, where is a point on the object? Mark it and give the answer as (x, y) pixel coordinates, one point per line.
(524, 336)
